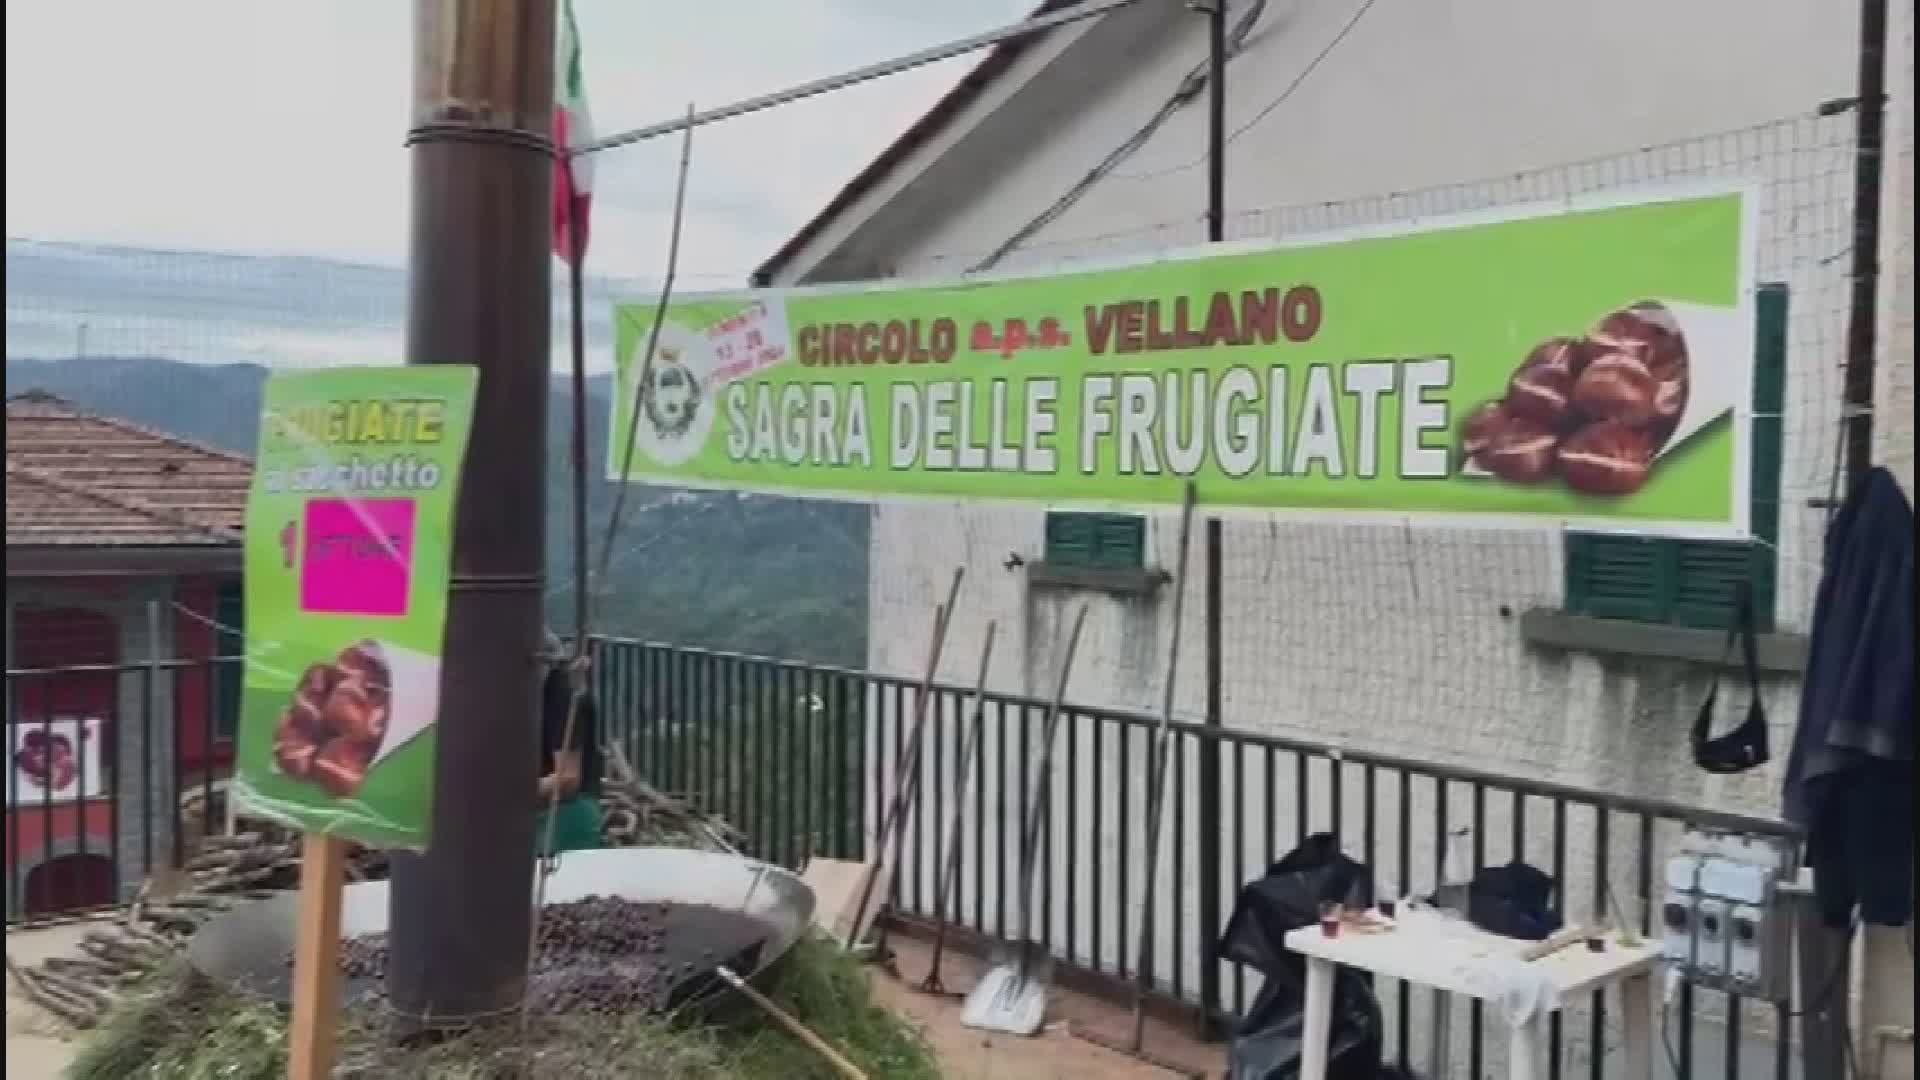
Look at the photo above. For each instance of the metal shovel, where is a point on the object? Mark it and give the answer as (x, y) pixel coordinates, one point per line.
(1012, 995)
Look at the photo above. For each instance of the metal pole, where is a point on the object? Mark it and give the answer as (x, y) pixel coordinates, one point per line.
(1870, 139)
(576, 289)
(1210, 822)
(479, 293)
(1217, 121)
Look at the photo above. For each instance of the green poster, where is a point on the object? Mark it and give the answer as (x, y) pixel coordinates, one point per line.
(349, 550)
(1579, 362)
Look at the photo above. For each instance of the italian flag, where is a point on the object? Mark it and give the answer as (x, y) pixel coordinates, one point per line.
(572, 127)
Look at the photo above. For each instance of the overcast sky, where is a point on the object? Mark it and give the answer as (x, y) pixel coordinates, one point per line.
(274, 126)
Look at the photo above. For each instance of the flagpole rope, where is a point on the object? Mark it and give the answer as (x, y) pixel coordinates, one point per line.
(1077, 13)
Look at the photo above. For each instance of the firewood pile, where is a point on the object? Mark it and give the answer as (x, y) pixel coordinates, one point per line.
(226, 870)
(117, 952)
(635, 814)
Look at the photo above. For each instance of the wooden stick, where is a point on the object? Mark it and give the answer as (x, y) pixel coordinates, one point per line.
(642, 384)
(316, 967)
(1572, 935)
(1157, 776)
(906, 772)
(950, 872)
(794, 1027)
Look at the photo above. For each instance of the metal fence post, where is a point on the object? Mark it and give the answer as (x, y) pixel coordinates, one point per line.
(156, 693)
(1826, 979)
(1208, 818)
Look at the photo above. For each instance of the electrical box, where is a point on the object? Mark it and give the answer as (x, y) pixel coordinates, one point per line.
(1723, 923)
(1678, 911)
(1710, 939)
(1748, 956)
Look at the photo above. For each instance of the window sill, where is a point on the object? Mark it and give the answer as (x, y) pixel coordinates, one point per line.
(1551, 628)
(1136, 582)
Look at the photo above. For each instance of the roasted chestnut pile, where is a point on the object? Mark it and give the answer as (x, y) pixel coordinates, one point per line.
(364, 957)
(1591, 411)
(606, 953)
(603, 953)
(333, 726)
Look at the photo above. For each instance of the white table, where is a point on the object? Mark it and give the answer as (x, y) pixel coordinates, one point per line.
(1427, 948)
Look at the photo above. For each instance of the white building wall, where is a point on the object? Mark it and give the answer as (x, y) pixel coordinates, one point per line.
(1893, 404)
(1401, 640)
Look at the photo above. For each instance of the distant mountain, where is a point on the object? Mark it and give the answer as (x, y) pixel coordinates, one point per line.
(211, 308)
(759, 574)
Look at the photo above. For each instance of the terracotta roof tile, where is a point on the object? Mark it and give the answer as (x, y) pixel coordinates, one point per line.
(77, 478)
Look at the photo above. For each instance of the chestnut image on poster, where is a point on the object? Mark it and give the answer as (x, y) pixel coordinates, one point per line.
(1589, 412)
(336, 720)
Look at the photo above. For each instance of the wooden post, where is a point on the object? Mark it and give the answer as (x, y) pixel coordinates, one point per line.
(316, 965)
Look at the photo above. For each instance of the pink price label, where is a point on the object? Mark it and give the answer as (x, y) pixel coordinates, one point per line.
(356, 557)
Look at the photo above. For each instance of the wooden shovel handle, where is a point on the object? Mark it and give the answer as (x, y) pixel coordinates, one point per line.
(799, 1031)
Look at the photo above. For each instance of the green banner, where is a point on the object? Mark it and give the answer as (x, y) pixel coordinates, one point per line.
(1579, 362)
(349, 549)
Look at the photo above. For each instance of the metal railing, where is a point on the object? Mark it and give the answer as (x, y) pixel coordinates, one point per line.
(113, 772)
(802, 758)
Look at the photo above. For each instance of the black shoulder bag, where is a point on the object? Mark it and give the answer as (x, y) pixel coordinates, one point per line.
(1744, 747)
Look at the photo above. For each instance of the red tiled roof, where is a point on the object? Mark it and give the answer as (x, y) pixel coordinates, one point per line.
(76, 479)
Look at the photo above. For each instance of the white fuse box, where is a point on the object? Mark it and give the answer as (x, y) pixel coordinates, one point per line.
(1722, 923)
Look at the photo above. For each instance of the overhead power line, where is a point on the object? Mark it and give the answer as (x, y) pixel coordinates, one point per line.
(1076, 13)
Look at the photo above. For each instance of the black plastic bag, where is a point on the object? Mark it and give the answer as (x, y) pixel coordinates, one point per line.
(1515, 900)
(1267, 1044)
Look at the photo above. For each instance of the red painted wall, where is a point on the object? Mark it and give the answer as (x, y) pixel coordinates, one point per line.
(32, 830)
(47, 636)
(194, 639)
(86, 631)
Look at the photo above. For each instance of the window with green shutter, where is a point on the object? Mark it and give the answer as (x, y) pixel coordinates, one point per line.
(229, 641)
(1096, 541)
(1690, 582)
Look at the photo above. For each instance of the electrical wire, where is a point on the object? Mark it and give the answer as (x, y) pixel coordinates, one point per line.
(1269, 107)
(1189, 88)
(933, 55)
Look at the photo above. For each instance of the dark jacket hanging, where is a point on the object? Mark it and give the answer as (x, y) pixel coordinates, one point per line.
(1850, 774)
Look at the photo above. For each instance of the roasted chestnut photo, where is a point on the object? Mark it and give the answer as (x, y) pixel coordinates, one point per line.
(1542, 389)
(1607, 458)
(341, 766)
(1482, 425)
(1616, 386)
(336, 720)
(47, 759)
(1521, 452)
(1595, 411)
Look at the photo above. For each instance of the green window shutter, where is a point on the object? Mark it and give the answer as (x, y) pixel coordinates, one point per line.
(1070, 539)
(1096, 541)
(1707, 573)
(1769, 424)
(1121, 542)
(1690, 582)
(1620, 577)
(229, 640)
